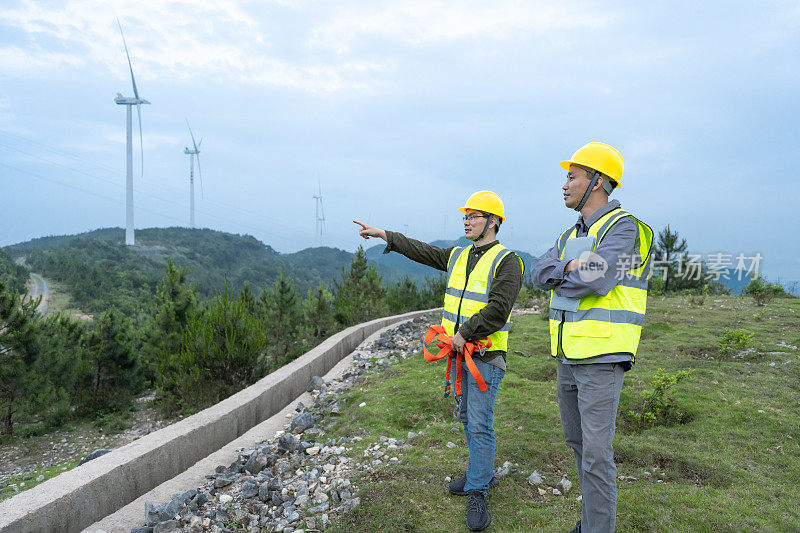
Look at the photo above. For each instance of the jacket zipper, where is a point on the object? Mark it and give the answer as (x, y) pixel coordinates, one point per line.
(560, 350)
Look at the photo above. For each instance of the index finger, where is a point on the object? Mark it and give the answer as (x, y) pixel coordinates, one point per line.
(364, 226)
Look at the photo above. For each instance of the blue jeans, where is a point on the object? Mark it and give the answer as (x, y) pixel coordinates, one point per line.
(477, 415)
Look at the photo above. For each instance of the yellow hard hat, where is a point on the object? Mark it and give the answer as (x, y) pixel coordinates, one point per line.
(485, 201)
(598, 156)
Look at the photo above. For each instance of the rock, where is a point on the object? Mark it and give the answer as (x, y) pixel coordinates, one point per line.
(168, 526)
(256, 463)
(151, 514)
(225, 498)
(275, 483)
(40, 479)
(288, 443)
(315, 383)
(94, 455)
(319, 508)
(313, 450)
(143, 529)
(300, 407)
(450, 445)
(503, 470)
(223, 481)
(250, 489)
(564, 486)
(362, 404)
(556, 492)
(542, 492)
(535, 478)
(302, 423)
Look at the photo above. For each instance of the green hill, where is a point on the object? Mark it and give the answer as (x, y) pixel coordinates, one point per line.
(98, 270)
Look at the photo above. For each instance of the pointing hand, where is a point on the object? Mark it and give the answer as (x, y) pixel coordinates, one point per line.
(368, 231)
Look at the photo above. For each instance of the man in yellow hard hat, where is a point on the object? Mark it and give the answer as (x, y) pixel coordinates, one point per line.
(597, 275)
(483, 281)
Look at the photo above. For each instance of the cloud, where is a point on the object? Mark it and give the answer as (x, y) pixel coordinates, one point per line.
(174, 38)
(425, 21)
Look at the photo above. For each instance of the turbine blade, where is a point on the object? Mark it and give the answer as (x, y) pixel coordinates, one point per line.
(141, 137)
(199, 174)
(133, 80)
(192, 134)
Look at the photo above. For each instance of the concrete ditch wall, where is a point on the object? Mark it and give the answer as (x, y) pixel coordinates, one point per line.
(79, 497)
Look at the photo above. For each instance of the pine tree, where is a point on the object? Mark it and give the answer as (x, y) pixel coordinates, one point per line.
(115, 370)
(667, 250)
(359, 294)
(19, 351)
(282, 311)
(175, 303)
(318, 312)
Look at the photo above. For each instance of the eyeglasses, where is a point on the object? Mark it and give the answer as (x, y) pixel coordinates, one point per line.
(470, 218)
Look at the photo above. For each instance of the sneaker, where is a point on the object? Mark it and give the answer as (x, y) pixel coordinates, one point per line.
(478, 517)
(457, 485)
(577, 528)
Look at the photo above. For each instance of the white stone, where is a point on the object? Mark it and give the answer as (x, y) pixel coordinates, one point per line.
(225, 498)
(362, 404)
(313, 450)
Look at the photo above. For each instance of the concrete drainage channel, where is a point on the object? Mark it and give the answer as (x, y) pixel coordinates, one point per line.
(173, 458)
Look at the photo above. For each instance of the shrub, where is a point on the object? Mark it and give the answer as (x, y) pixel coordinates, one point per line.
(734, 340)
(656, 405)
(763, 291)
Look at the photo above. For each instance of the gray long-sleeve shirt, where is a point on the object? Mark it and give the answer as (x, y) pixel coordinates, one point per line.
(619, 243)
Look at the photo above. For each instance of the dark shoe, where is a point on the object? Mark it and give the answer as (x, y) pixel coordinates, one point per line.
(478, 517)
(577, 528)
(457, 485)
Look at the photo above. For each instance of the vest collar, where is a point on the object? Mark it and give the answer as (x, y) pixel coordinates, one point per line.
(597, 215)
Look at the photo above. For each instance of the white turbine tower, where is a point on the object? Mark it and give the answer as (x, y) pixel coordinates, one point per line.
(130, 102)
(192, 153)
(320, 229)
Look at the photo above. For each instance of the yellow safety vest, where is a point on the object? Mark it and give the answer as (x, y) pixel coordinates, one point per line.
(467, 295)
(611, 324)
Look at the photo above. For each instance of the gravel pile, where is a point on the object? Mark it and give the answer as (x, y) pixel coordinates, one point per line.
(299, 481)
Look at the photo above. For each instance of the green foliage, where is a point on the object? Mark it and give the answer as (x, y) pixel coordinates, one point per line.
(403, 296)
(282, 310)
(318, 312)
(359, 294)
(223, 351)
(763, 291)
(13, 274)
(175, 304)
(667, 248)
(114, 373)
(19, 353)
(657, 405)
(432, 293)
(734, 340)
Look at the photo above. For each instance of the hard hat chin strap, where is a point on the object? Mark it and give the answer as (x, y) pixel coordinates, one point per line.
(485, 229)
(595, 175)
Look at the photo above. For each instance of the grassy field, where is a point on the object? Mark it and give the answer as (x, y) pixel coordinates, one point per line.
(734, 465)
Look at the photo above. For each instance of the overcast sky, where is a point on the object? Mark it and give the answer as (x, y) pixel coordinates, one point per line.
(400, 110)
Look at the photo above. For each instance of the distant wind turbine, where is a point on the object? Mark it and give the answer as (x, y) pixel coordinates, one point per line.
(192, 153)
(129, 102)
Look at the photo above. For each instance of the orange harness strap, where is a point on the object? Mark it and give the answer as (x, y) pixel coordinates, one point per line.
(438, 336)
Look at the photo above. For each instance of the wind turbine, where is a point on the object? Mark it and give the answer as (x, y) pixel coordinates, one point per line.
(320, 230)
(130, 102)
(192, 153)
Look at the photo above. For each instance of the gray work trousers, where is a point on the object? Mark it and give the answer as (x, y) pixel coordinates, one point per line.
(588, 396)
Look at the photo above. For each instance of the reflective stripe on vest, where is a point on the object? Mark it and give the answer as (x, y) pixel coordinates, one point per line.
(610, 324)
(466, 296)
